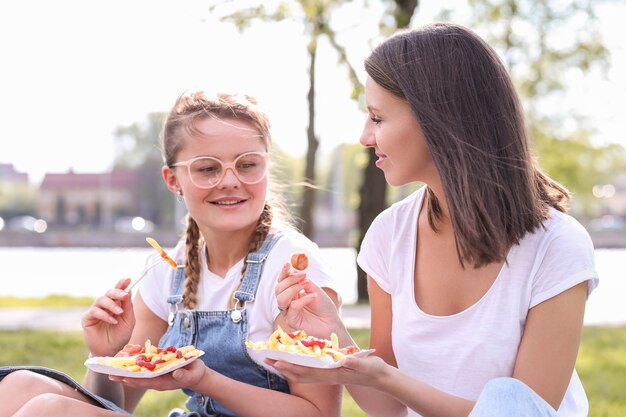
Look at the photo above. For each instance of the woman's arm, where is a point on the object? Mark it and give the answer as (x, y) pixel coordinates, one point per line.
(374, 382)
(547, 353)
(378, 403)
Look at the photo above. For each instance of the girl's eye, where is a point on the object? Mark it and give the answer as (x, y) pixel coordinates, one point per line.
(376, 120)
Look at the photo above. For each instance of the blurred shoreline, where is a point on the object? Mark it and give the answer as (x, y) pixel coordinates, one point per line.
(606, 239)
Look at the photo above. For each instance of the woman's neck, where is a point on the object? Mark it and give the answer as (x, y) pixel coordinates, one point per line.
(442, 218)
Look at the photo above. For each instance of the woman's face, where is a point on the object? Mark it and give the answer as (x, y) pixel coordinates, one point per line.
(396, 136)
(230, 205)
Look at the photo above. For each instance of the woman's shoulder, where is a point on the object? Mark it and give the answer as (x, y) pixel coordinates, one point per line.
(563, 224)
(402, 210)
(560, 230)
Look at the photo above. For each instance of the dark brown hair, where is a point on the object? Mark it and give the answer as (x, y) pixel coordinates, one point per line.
(473, 123)
(188, 109)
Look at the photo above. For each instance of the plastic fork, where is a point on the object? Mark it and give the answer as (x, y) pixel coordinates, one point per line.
(143, 274)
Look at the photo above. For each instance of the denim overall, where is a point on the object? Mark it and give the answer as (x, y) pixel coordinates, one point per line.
(222, 336)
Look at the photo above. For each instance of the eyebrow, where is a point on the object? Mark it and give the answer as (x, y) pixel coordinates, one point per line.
(372, 109)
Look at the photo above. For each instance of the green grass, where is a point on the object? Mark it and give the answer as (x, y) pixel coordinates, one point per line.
(66, 352)
(601, 366)
(51, 301)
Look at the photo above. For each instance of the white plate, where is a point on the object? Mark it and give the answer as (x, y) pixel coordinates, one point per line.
(95, 365)
(301, 358)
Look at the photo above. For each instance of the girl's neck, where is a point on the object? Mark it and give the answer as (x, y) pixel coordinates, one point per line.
(223, 250)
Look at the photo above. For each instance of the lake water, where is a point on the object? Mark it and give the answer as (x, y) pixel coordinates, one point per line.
(37, 272)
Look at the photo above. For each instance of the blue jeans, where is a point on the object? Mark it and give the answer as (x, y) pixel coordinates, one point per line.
(510, 397)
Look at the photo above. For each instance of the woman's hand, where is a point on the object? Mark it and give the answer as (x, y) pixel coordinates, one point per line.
(188, 376)
(366, 371)
(109, 322)
(304, 305)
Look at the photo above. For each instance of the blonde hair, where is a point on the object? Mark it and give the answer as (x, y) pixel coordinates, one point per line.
(180, 123)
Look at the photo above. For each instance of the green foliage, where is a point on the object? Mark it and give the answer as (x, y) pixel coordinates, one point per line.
(542, 44)
(139, 148)
(601, 366)
(579, 165)
(16, 199)
(541, 41)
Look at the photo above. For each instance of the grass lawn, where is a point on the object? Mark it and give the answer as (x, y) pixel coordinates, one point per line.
(601, 366)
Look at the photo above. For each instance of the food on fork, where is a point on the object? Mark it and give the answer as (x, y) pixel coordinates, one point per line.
(163, 254)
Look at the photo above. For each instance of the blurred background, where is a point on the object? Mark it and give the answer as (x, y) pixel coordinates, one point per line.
(85, 87)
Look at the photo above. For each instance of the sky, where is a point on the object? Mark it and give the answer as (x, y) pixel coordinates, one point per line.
(72, 71)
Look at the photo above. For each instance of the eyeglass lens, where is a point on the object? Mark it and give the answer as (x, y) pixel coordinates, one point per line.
(207, 172)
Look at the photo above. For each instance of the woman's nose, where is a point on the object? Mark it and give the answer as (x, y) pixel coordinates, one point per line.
(367, 138)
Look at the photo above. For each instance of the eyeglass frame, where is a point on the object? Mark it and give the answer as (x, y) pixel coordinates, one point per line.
(226, 166)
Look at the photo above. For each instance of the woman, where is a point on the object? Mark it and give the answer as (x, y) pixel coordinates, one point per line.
(477, 281)
(222, 294)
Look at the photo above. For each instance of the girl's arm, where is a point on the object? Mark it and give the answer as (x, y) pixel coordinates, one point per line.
(149, 326)
(305, 400)
(547, 353)
(145, 325)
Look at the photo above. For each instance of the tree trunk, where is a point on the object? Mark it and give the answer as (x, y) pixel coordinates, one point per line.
(308, 195)
(372, 193)
(374, 187)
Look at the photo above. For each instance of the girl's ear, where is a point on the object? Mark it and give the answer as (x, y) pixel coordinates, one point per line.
(170, 179)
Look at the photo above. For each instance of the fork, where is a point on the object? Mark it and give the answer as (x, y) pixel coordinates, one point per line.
(145, 272)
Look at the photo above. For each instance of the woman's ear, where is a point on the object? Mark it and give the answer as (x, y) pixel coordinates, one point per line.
(170, 179)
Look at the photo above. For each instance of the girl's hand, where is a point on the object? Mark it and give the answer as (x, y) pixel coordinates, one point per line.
(186, 377)
(109, 322)
(367, 371)
(304, 305)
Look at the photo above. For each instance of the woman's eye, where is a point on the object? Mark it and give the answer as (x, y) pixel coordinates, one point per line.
(375, 120)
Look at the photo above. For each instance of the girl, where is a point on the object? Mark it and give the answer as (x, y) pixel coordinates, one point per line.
(221, 294)
(477, 281)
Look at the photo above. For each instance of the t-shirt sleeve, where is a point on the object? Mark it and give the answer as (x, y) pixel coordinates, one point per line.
(373, 257)
(568, 261)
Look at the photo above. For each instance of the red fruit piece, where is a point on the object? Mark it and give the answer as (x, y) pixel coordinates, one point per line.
(299, 261)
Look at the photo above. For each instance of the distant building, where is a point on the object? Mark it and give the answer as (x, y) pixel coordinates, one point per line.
(10, 175)
(94, 199)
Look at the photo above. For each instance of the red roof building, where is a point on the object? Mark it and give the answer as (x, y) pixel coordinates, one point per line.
(91, 198)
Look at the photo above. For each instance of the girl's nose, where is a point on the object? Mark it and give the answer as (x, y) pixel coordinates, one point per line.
(229, 179)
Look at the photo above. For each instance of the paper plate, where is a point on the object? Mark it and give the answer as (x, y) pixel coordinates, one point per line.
(302, 359)
(96, 365)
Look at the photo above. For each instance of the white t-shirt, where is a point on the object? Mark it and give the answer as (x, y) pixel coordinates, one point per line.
(460, 353)
(214, 292)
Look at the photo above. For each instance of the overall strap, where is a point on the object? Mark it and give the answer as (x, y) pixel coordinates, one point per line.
(255, 261)
(176, 292)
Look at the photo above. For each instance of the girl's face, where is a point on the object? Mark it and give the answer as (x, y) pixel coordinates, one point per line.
(230, 205)
(396, 136)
